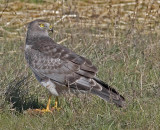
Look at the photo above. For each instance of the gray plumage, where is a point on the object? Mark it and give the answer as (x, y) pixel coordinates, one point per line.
(60, 69)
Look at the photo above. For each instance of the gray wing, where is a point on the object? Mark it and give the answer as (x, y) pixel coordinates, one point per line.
(50, 60)
(58, 63)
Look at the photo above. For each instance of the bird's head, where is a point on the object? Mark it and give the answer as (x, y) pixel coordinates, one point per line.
(39, 28)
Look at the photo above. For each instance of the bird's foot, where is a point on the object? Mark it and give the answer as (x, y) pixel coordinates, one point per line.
(39, 111)
(43, 110)
(32, 111)
(55, 108)
(47, 110)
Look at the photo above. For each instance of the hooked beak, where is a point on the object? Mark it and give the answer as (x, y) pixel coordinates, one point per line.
(51, 28)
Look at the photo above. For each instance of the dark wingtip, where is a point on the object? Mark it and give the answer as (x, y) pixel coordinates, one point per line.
(119, 101)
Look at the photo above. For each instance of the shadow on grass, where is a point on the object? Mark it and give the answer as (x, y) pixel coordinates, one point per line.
(17, 94)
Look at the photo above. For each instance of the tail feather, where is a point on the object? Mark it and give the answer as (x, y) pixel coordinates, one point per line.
(109, 94)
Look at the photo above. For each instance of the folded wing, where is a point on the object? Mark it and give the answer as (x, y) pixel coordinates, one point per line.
(50, 60)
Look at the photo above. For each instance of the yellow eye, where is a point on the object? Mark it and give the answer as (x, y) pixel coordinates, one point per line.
(50, 27)
(41, 25)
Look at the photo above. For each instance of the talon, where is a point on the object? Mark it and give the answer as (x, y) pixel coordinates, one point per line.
(55, 108)
(56, 105)
(47, 108)
(43, 110)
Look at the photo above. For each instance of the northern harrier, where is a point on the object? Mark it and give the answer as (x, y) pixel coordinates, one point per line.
(59, 69)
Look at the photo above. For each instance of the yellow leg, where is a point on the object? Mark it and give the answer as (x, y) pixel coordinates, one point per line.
(49, 102)
(48, 106)
(56, 105)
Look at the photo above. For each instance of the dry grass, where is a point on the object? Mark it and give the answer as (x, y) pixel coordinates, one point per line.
(121, 38)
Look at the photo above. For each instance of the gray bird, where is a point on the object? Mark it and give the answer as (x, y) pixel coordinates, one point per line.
(60, 70)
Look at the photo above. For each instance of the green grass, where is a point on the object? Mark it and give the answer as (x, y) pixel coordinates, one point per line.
(128, 63)
(33, 1)
(128, 60)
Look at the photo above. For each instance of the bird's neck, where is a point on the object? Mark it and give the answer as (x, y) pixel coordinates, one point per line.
(31, 37)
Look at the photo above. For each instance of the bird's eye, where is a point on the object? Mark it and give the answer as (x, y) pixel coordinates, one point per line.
(41, 25)
(50, 27)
